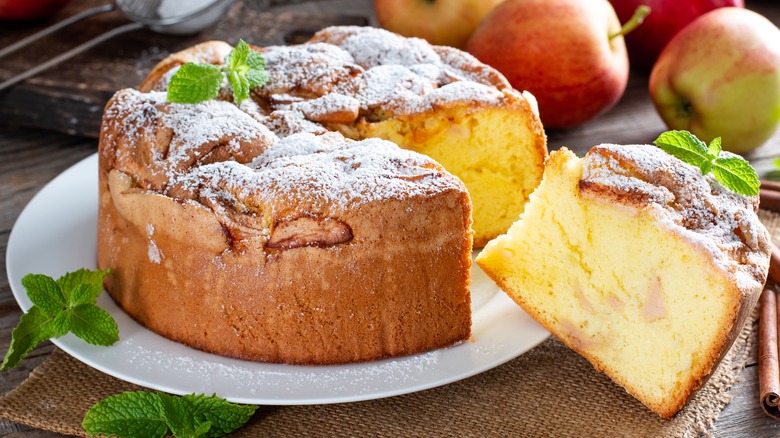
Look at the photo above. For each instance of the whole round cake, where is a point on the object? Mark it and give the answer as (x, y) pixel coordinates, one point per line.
(260, 231)
(312, 249)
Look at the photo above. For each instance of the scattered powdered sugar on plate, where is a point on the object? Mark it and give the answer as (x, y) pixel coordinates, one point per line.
(282, 376)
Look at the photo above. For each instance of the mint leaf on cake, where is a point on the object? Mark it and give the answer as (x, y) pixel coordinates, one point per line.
(61, 306)
(197, 82)
(733, 172)
(145, 414)
(194, 83)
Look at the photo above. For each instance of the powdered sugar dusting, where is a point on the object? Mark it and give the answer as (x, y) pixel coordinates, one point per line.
(387, 74)
(307, 69)
(387, 86)
(217, 154)
(324, 173)
(371, 47)
(644, 177)
(153, 252)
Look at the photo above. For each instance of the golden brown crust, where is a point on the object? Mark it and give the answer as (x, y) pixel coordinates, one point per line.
(365, 299)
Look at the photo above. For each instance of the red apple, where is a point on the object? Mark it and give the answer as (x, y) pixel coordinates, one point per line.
(667, 17)
(560, 51)
(720, 77)
(26, 10)
(442, 22)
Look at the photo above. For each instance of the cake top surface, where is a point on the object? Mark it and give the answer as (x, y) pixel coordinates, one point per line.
(277, 145)
(644, 177)
(216, 153)
(348, 72)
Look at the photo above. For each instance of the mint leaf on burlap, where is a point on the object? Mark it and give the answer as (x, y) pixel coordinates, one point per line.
(223, 416)
(129, 414)
(195, 83)
(179, 417)
(34, 327)
(736, 174)
(136, 414)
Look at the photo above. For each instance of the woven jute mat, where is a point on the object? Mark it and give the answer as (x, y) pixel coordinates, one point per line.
(548, 391)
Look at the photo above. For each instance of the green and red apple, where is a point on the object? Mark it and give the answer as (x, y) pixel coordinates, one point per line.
(568, 53)
(441, 22)
(666, 19)
(720, 77)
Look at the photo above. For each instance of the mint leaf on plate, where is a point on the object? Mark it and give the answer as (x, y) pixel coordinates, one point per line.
(86, 284)
(34, 327)
(45, 293)
(92, 324)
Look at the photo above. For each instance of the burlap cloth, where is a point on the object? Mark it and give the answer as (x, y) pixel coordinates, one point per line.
(548, 391)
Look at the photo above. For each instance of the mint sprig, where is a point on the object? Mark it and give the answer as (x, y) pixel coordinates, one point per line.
(733, 172)
(61, 306)
(195, 82)
(143, 414)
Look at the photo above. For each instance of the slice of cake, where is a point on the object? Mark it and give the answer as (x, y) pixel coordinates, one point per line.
(637, 262)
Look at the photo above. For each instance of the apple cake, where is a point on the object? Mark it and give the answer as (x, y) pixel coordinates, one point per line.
(370, 83)
(309, 249)
(637, 262)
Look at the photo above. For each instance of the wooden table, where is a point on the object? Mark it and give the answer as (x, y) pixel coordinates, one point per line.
(29, 158)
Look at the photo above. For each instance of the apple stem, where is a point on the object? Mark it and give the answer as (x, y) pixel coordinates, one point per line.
(637, 19)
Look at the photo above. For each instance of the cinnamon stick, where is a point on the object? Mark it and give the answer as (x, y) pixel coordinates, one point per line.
(769, 199)
(770, 185)
(768, 361)
(774, 264)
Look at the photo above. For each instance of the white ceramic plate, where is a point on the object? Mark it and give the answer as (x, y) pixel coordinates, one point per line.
(56, 233)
